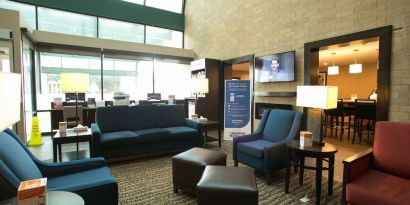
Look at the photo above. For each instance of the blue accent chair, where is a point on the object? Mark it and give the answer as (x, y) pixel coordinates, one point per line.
(89, 178)
(265, 149)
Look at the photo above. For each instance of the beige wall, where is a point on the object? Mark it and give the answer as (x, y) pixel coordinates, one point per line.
(243, 75)
(233, 28)
(360, 83)
(13, 24)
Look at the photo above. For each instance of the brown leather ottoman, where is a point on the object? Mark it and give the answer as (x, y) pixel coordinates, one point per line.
(227, 185)
(187, 167)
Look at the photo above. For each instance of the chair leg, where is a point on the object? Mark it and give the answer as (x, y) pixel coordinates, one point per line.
(268, 179)
(235, 163)
(295, 168)
(175, 189)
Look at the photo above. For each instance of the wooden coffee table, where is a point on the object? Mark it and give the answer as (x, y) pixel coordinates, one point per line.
(71, 137)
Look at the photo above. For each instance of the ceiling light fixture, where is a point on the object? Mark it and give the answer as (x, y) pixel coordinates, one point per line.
(356, 67)
(333, 70)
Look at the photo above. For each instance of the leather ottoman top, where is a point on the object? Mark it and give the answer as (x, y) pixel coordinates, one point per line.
(200, 156)
(228, 178)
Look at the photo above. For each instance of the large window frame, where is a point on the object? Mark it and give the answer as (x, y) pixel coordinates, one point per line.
(37, 8)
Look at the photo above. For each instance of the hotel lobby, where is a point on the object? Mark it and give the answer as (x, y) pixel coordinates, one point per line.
(204, 102)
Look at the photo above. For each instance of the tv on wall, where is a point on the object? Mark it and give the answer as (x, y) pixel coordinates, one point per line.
(275, 68)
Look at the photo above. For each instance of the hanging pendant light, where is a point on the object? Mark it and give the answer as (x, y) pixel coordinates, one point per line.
(356, 67)
(333, 70)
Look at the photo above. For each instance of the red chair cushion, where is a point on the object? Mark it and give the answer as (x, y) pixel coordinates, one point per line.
(375, 187)
(391, 148)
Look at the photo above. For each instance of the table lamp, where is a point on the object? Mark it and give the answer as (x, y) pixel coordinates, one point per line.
(10, 95)
(317, 98)
(75, 83)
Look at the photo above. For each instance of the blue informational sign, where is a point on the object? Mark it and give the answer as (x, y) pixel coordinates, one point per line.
(237, 108)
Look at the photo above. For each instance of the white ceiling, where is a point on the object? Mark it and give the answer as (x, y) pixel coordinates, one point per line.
(368, 53)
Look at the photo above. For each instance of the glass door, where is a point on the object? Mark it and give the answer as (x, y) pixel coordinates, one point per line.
(28, 85)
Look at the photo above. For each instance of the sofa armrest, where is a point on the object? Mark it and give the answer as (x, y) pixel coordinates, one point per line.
(193, 124)
(241, 139)
(354, 167)
(96, 131)
(64, 168)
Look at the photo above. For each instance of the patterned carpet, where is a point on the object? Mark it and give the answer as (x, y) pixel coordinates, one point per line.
(149, 181)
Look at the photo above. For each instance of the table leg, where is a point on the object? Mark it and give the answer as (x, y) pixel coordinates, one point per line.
(302, 168)
(206, 135)
(219, 135)
(319, 167)
(54, 151)
(91, 148)
(330, 177)
(59, 153)
(78, 155)
(287, 173)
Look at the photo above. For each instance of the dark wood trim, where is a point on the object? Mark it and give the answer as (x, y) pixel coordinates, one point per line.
(358, 156)
(384, 34)
(275, 94)
(248, 58)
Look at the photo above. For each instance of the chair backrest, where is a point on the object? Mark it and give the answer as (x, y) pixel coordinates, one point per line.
(391, 148)
(17, 163)
(338, 111)
(365, 109)
(280, 123)
(69, 113)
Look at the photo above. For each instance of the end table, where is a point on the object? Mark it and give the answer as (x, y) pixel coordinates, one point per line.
(71, 137)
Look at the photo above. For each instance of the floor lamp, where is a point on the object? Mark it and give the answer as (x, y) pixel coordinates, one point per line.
(317, 99)
(75, 83)
(200, 86)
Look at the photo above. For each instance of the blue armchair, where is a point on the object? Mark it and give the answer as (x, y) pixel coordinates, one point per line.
(89, 178)
(265, 149)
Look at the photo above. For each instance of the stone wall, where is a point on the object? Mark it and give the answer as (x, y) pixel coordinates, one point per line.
(232, 28)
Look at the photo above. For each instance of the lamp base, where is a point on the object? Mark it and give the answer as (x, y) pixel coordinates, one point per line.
(314, 125)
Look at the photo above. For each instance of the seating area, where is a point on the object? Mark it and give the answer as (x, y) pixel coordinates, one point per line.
(123, 102)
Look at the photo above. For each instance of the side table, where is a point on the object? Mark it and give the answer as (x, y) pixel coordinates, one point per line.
(70, 137)
(208, 126)
(54, 198)
(326, 153)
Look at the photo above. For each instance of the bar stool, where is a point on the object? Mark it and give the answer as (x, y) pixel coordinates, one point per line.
(365, 118)
(337, 116)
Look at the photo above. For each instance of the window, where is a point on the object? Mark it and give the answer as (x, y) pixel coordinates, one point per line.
(163, 37)
(168, 5)
(119, 30)
(135, 1)
(66, 22)
(28, 12)
(133, 77)
(172, 79)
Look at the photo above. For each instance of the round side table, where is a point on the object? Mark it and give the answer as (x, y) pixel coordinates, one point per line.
(326, 153)
(54, 198)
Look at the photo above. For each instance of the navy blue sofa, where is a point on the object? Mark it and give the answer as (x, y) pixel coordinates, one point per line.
(123, 131)
(89, 178)
(265, 149)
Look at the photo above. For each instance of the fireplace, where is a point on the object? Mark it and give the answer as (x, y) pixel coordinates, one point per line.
(260, 107)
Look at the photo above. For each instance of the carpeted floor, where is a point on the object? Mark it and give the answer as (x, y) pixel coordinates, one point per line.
(149, 181)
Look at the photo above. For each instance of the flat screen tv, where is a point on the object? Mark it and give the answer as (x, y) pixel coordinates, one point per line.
(275, 68)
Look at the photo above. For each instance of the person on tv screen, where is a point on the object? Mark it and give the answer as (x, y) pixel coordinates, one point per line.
(276, 72)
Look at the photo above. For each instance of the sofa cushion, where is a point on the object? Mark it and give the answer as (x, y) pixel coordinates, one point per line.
(391, 148)
(143, 117)
(171, 115)
(114, 118)
(81, 180)
(254, 148)
(16, 158)
(278, 125)
(118, 139)
(375, 187)
(182, 132)
(151, 135)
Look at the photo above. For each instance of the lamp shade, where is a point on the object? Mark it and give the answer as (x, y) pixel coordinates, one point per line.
(323, 97)
(200, 85)
(74, 82)
(333, 70)
(10, 95)
(355, 68)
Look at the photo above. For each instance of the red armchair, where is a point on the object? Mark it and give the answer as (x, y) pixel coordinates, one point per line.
(381, 175)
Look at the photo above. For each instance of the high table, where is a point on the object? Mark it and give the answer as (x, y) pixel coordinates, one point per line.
(321, 153)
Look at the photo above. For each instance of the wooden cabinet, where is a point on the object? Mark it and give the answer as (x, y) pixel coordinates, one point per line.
(208, 105)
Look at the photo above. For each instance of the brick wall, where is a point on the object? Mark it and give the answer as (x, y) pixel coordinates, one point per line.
(232, 28)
